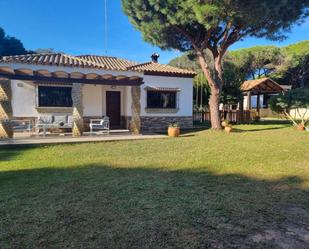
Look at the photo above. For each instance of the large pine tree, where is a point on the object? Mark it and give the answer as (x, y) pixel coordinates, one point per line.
(214, 25)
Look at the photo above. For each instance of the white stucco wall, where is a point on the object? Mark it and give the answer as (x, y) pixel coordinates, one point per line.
(23, 99)
(301, 113)
(94, 96)
(184, 97)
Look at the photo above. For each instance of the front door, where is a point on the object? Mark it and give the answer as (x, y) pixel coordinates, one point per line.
(113, 110)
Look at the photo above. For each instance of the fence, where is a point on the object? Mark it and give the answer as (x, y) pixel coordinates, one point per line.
(235, 116)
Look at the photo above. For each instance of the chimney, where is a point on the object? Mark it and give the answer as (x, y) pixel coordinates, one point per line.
(155, 57)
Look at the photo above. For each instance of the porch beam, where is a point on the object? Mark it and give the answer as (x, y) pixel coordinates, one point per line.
(258, 104)
(135, 124)
(100, 81)
(77, 101)
(6, 111)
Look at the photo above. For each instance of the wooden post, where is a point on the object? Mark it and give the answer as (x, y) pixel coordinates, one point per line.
(135, 124)
(249, 101)
(77, 100)
(6, 111)
(258, 104)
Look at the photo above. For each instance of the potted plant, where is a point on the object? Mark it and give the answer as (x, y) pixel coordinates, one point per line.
(300, 127)
(173, 130)
(228, 128)
(225, 123)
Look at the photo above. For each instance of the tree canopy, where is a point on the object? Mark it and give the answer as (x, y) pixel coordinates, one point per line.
(214, 25)
(10, 45)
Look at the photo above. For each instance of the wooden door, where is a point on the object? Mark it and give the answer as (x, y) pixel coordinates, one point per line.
(113, 108)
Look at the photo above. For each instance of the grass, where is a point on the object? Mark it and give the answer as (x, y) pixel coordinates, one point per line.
(247, 189)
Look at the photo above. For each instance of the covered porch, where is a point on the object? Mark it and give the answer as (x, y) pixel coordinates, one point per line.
(257, 90)
(111, 94)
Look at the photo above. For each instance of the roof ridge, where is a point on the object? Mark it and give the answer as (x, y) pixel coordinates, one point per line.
(141, 64)
(106, 56)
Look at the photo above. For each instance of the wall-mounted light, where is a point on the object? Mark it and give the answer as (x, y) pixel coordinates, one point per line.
(113, 87)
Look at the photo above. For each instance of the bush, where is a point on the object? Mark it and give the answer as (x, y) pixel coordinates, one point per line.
(296, 99)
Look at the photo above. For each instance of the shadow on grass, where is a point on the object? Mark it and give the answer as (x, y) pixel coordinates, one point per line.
(98, 206)
(9, 154)
(263, 129)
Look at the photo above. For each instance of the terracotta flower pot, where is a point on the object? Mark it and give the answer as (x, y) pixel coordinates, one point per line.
(300, 127)
(228, 129)
(173, 131)
(224, 124)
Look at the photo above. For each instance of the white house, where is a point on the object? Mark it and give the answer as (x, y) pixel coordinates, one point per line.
(41, 84)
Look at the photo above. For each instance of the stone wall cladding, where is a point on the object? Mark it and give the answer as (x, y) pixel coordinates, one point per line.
(160, 123)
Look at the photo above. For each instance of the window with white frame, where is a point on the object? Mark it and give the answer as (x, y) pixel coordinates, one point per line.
(161, 99)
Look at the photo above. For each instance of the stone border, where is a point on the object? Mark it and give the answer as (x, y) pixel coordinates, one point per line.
(160, 123)
(161, 110)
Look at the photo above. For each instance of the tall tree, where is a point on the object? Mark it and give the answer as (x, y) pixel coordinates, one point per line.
(214, 25)
(259, 61)
(10, 45)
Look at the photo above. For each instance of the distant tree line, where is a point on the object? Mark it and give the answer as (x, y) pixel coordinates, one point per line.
(286, 65)
(12, 46)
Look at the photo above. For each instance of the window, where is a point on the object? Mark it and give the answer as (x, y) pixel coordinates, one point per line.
(50, 96)
(161, 99)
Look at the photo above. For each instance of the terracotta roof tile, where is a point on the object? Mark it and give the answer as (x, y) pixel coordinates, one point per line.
(52, 59)
(108, 62)
(152, 67)
(262, 85)
(98, 62)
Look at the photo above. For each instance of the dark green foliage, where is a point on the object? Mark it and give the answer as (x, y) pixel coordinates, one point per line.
(10, 45)
(257, 61)
(183, 24)
(214, 25)
(294, 69)
(297, 99)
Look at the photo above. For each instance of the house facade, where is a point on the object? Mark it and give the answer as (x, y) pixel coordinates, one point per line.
(148, 96)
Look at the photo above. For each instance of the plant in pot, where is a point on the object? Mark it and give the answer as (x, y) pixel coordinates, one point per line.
(225, 123)
(228, 128)
(173, 129)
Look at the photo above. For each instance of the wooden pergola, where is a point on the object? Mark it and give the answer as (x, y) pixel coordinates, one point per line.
(259, 87)
(76, 79)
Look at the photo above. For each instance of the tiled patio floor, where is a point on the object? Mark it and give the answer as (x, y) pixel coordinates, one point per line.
(115, 135)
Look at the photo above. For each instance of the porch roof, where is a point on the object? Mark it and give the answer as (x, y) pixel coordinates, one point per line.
(265, 85)
(97, 62)
(43, 75)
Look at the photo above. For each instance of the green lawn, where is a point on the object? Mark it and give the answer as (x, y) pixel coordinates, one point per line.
(247, 189)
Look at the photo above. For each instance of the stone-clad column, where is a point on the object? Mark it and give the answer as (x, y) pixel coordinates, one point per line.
(135, 124)
(6, 111)
(77, 100)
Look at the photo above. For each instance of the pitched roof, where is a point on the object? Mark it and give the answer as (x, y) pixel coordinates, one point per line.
(97, 62)
(160, 69)
(52, 59)
(108, 62)
(261, 85)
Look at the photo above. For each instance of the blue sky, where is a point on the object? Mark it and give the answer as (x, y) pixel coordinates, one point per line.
(77, 27)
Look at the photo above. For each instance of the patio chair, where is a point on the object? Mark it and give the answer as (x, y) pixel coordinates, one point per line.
(99, 124)
(52, 122)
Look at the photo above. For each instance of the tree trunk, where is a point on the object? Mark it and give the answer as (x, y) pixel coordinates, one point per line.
(215, 84)
(6, 111)
(214, 102)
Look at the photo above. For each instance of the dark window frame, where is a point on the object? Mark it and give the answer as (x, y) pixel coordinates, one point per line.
(54, 96)
(155, 95)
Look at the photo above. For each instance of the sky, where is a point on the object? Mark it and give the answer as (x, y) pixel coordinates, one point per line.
(77, 27)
